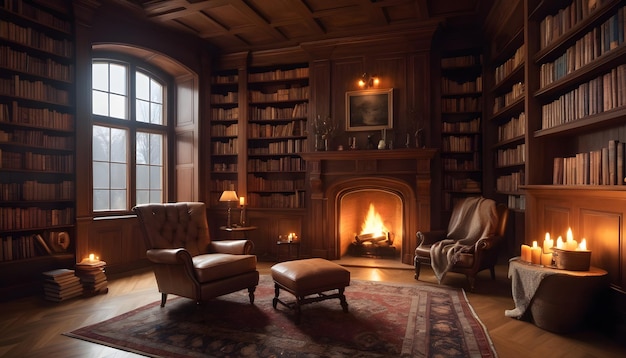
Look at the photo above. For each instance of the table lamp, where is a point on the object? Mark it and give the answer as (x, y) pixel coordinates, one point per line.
(230, 197)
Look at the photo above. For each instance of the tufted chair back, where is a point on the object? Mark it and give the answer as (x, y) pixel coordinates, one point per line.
(175, 225)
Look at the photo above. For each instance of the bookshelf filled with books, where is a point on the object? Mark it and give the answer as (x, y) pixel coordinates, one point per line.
(507, 121)
(37, 140)
(461, 121)
(278, 100)
(224, 132)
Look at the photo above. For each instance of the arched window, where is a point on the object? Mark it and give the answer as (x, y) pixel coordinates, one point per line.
(129, 135)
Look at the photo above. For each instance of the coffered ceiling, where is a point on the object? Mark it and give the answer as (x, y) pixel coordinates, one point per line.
(238, 25)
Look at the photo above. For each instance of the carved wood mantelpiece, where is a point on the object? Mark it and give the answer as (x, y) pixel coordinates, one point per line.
(406, 171)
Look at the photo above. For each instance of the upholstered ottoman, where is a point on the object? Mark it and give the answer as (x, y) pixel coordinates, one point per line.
(308, 279)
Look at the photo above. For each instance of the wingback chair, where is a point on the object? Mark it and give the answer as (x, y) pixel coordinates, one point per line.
(475, 230)
(186, 261)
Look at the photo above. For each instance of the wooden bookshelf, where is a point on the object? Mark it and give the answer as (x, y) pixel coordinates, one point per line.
(37, 141)
(461, 125)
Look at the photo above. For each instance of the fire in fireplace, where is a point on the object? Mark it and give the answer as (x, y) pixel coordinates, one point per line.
(370, 223)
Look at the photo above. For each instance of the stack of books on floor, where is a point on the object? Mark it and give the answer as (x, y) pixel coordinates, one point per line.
(92, 276)
(61, 284)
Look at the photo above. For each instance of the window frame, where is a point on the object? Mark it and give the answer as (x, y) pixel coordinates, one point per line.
(133, 126)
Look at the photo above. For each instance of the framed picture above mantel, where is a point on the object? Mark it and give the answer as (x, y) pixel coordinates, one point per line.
(370, 109)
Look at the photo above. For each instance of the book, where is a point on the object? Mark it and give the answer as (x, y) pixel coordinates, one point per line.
(620, 163)
(42, 243)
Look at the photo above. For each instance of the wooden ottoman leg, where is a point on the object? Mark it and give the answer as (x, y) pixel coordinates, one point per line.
(276, 292)
(342, 299)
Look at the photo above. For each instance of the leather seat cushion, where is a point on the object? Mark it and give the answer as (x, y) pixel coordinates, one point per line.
(309, 276)
(211, 267)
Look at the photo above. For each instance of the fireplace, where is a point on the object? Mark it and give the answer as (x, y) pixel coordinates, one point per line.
(345, 184)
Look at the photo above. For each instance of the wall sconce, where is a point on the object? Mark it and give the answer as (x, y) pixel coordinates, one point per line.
(366, 81)
(230, 197)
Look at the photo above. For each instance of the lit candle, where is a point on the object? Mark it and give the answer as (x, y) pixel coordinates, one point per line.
(570, 244)
(91, 257)
(242, 201)
(548, 243)
(535, 254)
(526, 253)
(559, 243)
(583, 245)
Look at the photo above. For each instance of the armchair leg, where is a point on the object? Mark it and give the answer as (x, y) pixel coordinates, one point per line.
(493, 272)
(163, 299)
(472, 282)
(251, 293)
(418, 265)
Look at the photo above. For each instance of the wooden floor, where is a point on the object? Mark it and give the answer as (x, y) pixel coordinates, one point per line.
(33, 327)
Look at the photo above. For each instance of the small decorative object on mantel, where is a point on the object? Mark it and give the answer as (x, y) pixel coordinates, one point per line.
(324, 130)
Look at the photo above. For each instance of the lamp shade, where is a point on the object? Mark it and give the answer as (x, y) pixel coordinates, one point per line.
(229, 195)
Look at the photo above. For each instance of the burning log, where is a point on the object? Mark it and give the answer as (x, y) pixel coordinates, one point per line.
(373, 238)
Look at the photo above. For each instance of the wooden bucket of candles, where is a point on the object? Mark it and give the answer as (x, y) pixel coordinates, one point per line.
(578, 260)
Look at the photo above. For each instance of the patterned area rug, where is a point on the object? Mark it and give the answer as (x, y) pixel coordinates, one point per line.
(398, 320)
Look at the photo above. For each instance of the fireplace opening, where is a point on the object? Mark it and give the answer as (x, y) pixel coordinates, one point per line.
(370, 223)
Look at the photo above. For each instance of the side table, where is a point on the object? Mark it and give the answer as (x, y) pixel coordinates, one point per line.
(289, 244)
(238, 229)
(555, 300)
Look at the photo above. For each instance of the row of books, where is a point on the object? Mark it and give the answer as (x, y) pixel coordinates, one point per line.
(20, 247)
(36, 161)
(221, 130)
(35, 90)
(302, 72)
(471, 126)
(510, 182)
(505, 69)
(229, 97)
(516, 202)
(37, 117)
(33, 217)
(288, 146)
(450, 86)
(293, 93)
(515, 127)
(511, 156)
(601, 94)
(459, 143)
(34, 190)
(281, 164)
(517, 90)
(604, 166)
(467, 185)
(26, 9)
(294, 128)
(227, 147)
(258, 183)
(234, 78)
(287, 201)
(600, 40)
(552, 27)
(224, 114)
(225, 167)
(463, 104)
(220, 185)
(37, 138)
(36, 39)
(300, 110)
(23, 62)
(460, 164)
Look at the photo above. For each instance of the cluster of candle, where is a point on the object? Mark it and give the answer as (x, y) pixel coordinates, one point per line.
(292, 237)
(543, 255)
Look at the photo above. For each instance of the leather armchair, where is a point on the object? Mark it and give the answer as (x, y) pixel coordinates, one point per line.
(186, 261)
(487, 219)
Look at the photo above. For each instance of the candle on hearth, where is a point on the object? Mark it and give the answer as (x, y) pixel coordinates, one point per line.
(546, 259)
(548, 243)
(582, 246)
(559, 243)
(525, 253)
(535, 254)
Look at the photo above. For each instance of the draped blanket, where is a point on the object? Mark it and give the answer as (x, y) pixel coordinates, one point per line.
(472, 219)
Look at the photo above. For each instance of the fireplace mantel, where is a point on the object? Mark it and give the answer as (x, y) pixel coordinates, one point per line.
(408, 170)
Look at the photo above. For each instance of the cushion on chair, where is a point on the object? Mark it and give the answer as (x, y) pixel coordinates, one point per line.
(212, 267)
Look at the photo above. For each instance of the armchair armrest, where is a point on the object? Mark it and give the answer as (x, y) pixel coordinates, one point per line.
(235, 247)
(430, 237)
(487, 243)
(176, 256)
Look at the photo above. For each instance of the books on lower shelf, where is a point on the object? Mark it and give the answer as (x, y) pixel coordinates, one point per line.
(604, 166)
(61, 284)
